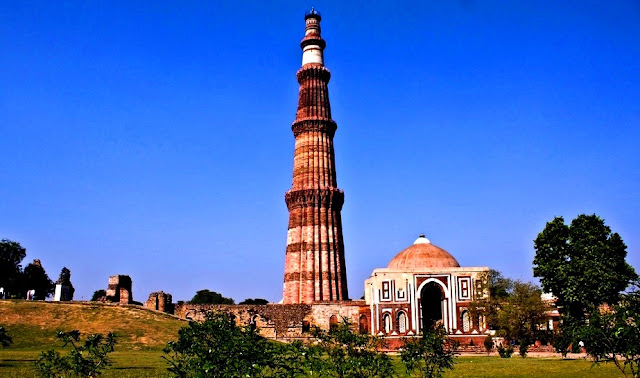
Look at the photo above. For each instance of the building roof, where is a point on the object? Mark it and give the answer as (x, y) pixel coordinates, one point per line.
(423, 255)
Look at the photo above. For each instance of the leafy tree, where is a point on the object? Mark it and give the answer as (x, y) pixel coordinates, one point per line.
(488, 343)
(613, 334)
(5, 339)
(98, 294)
(429, 355)
(11, 255)
(209, 297)
(85, 359)
(583, 265)
(521, 314)
(217, 347)
(343, 352)
(35, 278)
(499, 289)
(256, 301)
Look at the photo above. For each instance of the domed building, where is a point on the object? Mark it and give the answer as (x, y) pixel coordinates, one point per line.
(424, 284)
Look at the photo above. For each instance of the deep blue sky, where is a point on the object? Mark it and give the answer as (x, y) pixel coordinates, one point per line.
(153, 139)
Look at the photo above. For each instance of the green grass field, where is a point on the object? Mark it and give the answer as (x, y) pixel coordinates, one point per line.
(142, 334)
(149, 363)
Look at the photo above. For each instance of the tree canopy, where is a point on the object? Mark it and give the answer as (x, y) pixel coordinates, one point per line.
(206, 296)
(582, 264)
(98, 294)
(256, 301)
(11, 255)
(514, 308)
(613, 334)
(34, 277)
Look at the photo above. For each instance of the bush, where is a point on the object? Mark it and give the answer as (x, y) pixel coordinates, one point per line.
(86, 359)
(505, 352)
(219, 348)
(350, 354)
(98, 294)
(429, 355)
(5, 339)
(522, 348)
(488, 343)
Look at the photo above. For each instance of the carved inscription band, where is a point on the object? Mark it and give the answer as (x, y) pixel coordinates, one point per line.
(332, 198)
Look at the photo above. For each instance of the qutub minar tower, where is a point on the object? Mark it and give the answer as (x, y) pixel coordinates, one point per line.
(314, 263)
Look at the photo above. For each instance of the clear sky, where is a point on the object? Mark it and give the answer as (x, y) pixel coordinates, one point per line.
(153, 138)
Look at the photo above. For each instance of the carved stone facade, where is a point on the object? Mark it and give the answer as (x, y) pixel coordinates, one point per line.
(423, 285)
(314, 262)
(120, 289)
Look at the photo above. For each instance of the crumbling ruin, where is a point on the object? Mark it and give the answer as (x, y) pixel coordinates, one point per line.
(119, 290)
(160, 301)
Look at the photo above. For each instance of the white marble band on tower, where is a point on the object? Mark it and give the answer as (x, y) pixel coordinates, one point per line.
(312, 43)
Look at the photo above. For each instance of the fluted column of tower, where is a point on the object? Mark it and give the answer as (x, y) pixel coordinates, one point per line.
(314, 263)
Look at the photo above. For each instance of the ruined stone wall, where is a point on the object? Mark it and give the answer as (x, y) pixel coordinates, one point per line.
(280, 321)
(120, 289)
(160, 301)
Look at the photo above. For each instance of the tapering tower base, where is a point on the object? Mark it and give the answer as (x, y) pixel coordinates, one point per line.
(314, 262)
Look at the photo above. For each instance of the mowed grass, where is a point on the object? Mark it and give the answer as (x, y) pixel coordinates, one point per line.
(34, 325)
(126, 364)
(142, 334)
(149, 363)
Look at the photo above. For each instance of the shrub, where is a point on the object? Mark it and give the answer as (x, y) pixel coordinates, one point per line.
(522, 348)
(98, 294)
(217, 347)
(5, 339)
(85, 359)
(505, 352)
(488, 343)
(343, 352)
(429, 355)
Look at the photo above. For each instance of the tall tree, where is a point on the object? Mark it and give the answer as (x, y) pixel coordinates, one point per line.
(35, 278)
(582, 264)
(206, 296)
(514, 308)
(520, 316)
(11, 255)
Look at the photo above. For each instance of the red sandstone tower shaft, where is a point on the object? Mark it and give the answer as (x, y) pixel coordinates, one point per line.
(314, 263)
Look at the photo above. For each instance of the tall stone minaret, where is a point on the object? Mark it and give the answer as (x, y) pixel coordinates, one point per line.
(314, 264)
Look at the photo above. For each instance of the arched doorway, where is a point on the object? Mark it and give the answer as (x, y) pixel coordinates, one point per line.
(363, 324)
(431, 297)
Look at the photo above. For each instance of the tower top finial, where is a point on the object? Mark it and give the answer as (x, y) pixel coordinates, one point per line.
(312, 13)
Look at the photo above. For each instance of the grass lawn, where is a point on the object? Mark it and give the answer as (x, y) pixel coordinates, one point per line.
(142, 334)
(148, 363)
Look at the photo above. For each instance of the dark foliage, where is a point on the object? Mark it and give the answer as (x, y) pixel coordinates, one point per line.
(256, 301)
(65, 279)
(505, 352)
(5, 339)
(613, 334)
(206, 296)
(11, 255)
(429, 355)
(219, 348)
(85, 359)
(583, 265)
(35, 278)
(488, 343)
(98, 294)
(343, 352)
